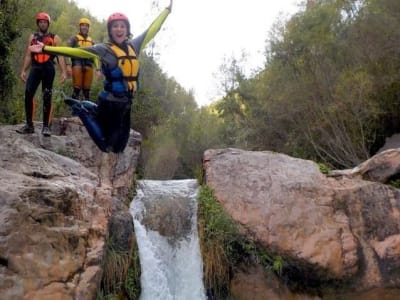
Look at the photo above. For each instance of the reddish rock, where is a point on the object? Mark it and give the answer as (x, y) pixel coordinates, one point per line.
(338, 228)
(58, 196)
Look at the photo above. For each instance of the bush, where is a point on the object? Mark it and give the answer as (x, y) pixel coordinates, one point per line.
(224, 248)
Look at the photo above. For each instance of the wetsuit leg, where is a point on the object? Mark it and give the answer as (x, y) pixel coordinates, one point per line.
(90, 107)
(120, 143)
(32, 84)
(93, 128)
(87, 81)
(114, 118)
(77, 80)
(87, 112)
(47, 90)
(86, 94)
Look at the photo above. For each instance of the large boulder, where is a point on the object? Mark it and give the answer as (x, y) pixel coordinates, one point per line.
(328, 229)
(58, 197)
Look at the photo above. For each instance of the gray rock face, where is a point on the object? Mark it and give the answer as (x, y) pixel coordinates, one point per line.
(338, 228)
(58, 196)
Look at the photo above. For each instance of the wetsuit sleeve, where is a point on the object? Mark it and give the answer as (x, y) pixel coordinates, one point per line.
(74, 53)
(71, 52)
(142, 40)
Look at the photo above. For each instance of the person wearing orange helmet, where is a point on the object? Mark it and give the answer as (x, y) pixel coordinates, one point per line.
(82, 68)
(41, 71)
(108, 122)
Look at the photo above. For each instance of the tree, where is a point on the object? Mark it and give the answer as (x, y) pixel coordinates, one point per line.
(327, 86)
(7, 79)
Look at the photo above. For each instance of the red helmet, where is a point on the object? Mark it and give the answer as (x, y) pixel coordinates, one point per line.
(117, 16)
(42, 16)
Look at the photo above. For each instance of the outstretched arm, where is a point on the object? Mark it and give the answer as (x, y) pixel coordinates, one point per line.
(66, 51)
(169, 7)
(142, 40)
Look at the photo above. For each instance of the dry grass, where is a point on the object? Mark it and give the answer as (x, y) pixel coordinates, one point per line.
(223, 248)
(215, 261)
(216, 233)
(115, 269)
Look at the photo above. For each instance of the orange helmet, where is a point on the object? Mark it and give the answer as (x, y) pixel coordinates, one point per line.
(43, 16)
(84, 21)
(118, 17)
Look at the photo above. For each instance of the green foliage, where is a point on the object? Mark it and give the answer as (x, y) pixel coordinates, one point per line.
(324, 168)
(329, 89)
(224, 248)
(161, 157)
(132, 281)
(115, 269)
(216, 231)
(174, 149)
(175, 131)
(8, 33)
(203, 130)
(121, 274)
(394, 183)
(278, 265)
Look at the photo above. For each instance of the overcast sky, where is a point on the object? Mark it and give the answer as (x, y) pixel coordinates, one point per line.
(199, 34)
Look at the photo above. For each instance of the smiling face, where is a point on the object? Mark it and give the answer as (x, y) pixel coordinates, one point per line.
(119, 31)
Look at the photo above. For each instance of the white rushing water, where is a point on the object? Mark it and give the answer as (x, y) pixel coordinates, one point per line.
(170, 258)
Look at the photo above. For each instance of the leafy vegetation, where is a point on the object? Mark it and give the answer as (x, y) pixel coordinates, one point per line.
(394, 182)
(224, 249)
(121, 274)
(329, 88)
(7, 79)
(323, 168)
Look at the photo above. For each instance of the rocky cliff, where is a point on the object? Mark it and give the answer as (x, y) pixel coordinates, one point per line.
(338, 230)
(59, 199)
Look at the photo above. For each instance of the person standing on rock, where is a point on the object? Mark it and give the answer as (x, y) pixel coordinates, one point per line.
(108, 123)
(81, 69)
(41, 71)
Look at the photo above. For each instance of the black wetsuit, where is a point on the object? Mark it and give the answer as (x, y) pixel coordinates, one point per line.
(42, 71)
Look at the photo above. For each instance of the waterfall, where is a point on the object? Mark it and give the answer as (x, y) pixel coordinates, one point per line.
(165, 220)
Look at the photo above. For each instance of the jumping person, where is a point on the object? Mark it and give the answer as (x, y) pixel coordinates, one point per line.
(108, 123)
(42, 71)
(81, 69)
